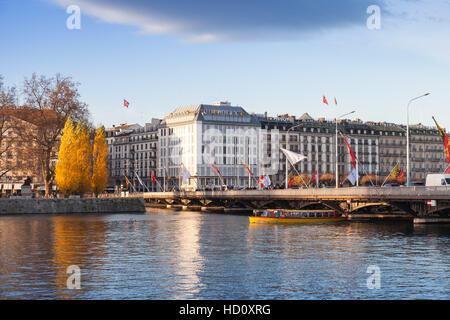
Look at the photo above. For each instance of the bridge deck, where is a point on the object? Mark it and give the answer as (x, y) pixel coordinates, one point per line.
(357, 193)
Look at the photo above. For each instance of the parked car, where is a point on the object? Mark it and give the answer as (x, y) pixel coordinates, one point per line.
(389, 185)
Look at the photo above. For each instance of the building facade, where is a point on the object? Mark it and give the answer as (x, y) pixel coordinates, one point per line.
(199, 138)
(189, 144)
(132, 154)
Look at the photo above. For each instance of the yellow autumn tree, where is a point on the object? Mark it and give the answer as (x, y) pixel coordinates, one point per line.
(99, 162)
(83, 154)
(64, 172)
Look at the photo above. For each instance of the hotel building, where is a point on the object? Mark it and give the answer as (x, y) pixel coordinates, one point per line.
(193, 139)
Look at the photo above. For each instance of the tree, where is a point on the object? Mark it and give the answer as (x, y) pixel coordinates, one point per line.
(7, 101)
(49, 102)
(99, 162)
(65, 168)
(327, 179)
(301, 180)
(83, 157)
(368, 180)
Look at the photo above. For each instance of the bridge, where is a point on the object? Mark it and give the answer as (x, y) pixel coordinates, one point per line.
(411, 201)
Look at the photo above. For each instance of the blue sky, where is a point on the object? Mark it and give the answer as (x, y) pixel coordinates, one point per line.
(265, 55)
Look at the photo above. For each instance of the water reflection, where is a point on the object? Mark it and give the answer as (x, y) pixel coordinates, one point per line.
(79, 242)
(187, 255)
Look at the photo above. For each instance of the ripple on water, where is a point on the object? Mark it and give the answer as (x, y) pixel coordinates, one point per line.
(186, 255)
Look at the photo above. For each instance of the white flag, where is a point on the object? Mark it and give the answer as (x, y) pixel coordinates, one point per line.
(352, 177)
(267, 181)
(292, 156)
(186, 175)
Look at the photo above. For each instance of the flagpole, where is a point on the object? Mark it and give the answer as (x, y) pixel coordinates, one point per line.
(180, 172)
(164, 179)
(140, 180)
(287, 148)
(249, 175)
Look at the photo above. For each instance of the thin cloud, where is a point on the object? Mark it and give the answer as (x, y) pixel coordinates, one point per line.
(222, 20)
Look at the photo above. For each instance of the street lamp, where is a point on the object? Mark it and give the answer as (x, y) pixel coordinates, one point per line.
(407, 137)
(337, 172)
(287, 148)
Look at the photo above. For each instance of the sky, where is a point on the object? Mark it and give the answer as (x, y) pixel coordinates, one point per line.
(279, 56)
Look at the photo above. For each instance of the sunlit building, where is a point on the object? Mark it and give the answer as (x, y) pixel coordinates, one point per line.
(198, 138)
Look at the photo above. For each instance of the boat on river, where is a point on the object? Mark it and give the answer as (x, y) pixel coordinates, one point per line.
(296, 216)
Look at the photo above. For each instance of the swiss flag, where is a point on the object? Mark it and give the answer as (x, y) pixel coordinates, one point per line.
(126, 103)
(325, 100)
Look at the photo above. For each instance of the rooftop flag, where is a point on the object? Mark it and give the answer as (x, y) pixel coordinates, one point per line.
(126, 103)
(335, 101)
(325, 100)
(292, 156)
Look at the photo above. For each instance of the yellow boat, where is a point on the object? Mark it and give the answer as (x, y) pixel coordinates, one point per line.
(296, 216)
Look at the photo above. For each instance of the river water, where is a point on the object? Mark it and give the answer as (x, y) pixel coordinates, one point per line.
(190, 255)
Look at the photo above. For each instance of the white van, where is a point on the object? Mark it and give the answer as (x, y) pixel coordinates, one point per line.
(437, 180)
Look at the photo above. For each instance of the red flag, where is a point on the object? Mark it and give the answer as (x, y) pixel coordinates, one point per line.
(261, 181)
(153, 177)
(400, 177)
(248, 169)
(325, 100)
(446, 144)
(291, 182)
(126, 103)
(216, 170)
(352, 154)
(313, 178)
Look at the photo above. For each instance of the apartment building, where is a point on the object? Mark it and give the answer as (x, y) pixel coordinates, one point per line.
(132, 153)
(197, 139)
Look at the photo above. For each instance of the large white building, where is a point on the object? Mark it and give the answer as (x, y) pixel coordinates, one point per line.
(201, 136)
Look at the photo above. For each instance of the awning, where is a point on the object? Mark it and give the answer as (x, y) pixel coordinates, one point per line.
(17, 186)
(7, 186)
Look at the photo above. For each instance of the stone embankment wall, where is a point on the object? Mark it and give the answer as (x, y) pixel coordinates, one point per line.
(67, 206)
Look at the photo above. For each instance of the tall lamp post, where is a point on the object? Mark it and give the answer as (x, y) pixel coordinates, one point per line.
(337, 172)
(287, 148)
(407, 137)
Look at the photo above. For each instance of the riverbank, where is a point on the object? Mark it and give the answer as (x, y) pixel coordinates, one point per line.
(70, 206)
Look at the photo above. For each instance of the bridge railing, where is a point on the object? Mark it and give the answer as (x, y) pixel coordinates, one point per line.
(375, 193)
